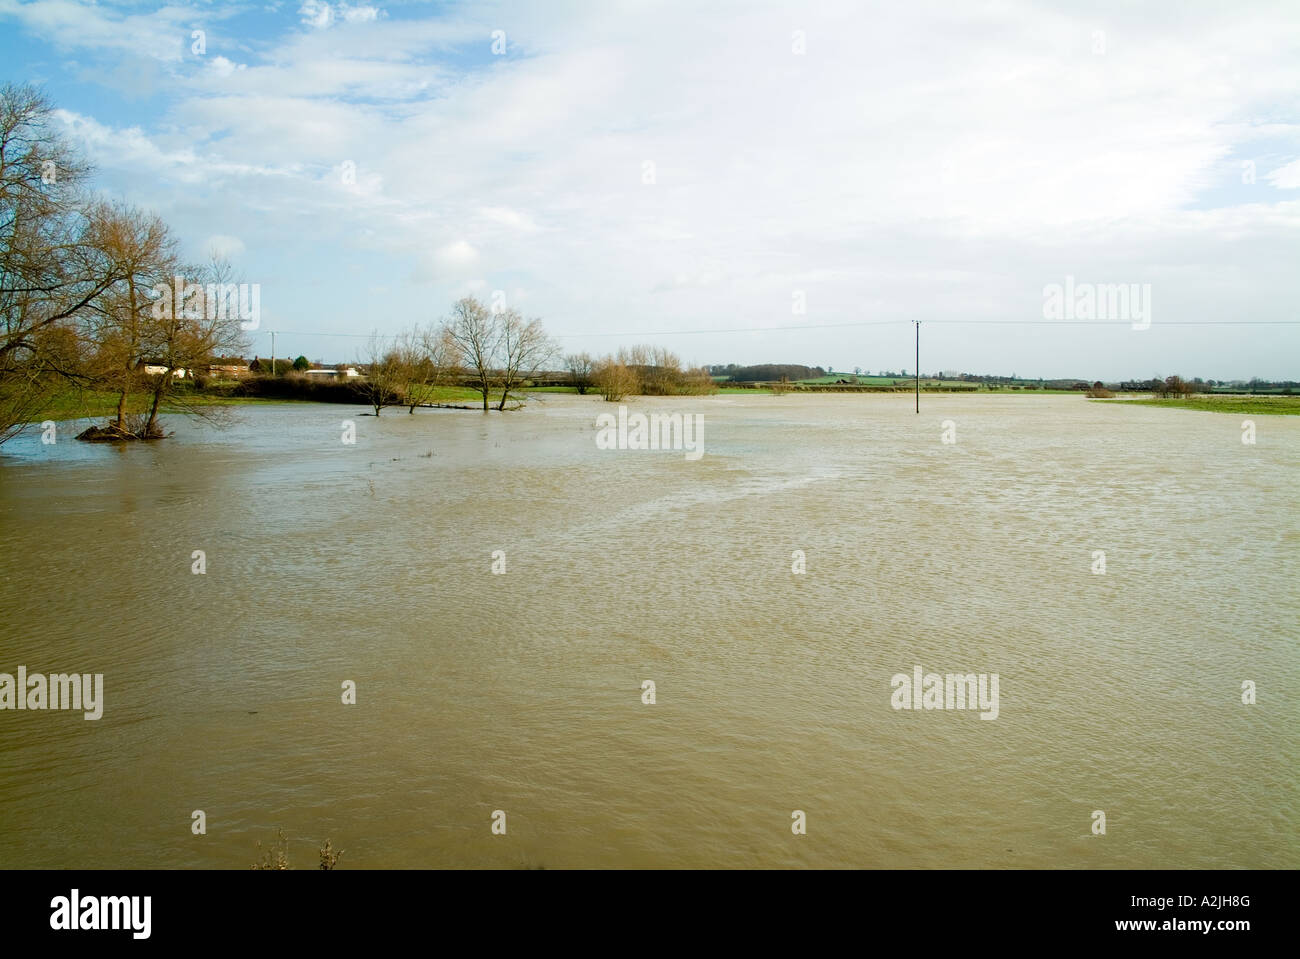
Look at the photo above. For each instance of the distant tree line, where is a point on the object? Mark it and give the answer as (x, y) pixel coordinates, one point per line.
(1177, 386)
(767, 372)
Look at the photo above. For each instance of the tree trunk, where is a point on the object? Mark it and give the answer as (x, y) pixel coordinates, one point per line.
(153, 409)
(130, 354)
(120, 422)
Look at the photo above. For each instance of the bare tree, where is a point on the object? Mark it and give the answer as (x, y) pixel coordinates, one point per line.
(427, 358)
(142, 252)
(476, 334)
(382, 383)
(579, 366)
(183, 336)
(524, 350)
(51, 268)
(81, 285)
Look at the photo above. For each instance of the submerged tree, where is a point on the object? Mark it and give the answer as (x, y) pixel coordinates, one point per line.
(614, 380)
(525, 349)
(382, 384)
(182, 336)
(427, 358)
(143, 254)
(498, 350)
(473, 330)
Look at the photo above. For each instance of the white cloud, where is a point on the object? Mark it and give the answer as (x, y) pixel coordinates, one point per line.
(321, 15)
(456, 255)
(1286, 177)
(133, 152)
(316, 14)
(229, 247)
(223, 67)
(162, 34)
(359, 14)
(515, 219)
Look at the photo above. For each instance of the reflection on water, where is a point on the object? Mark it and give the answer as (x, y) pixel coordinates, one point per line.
(522, 692)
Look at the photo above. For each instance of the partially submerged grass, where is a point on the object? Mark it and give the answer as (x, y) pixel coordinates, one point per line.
(276, 858)
(463, 394)
(1224, 403)
(93, 404)
(96, 403)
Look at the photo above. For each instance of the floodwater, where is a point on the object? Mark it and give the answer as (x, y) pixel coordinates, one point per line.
(522, 693)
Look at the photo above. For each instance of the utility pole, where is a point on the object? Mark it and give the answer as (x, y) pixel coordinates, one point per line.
(918, 365)
(273, 355)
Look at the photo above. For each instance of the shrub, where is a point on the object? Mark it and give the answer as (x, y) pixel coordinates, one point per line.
(614, 380)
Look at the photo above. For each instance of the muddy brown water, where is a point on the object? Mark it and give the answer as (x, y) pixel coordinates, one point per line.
(522, 692)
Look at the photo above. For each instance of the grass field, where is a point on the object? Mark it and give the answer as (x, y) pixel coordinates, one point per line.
(462, 394)
(1216, 403)
(92, 404)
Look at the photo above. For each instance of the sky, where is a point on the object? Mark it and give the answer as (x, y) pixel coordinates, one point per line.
(741, 182)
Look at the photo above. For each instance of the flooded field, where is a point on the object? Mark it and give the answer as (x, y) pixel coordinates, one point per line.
(522, 691)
